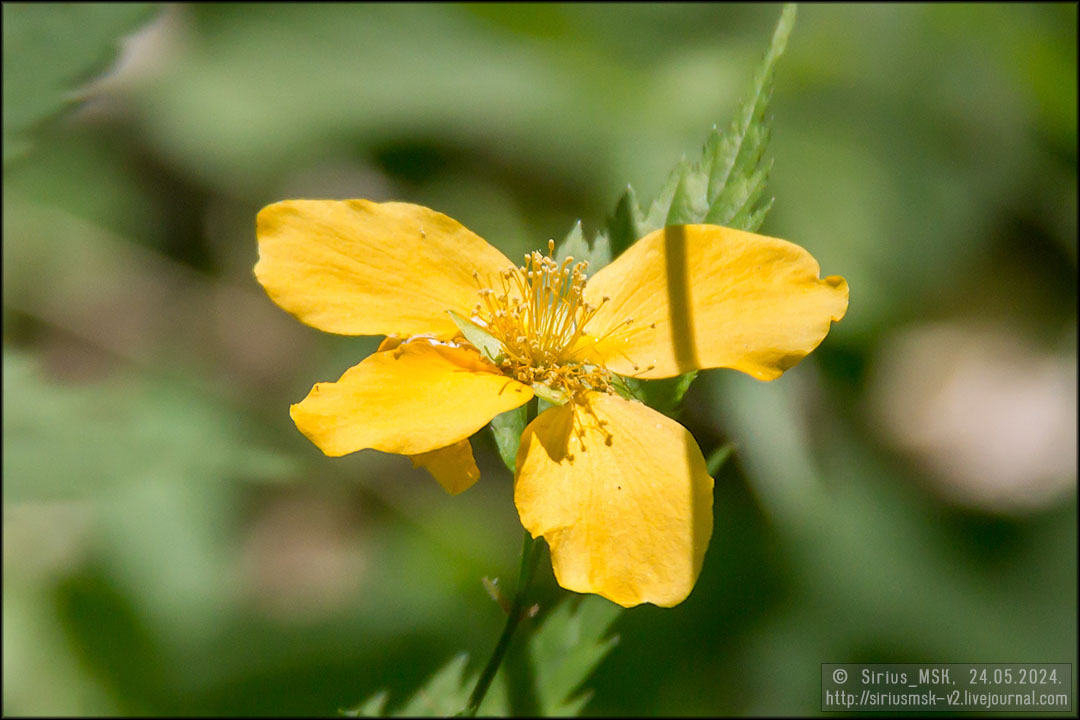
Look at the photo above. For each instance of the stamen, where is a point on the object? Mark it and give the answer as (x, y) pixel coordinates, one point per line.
(539, 314)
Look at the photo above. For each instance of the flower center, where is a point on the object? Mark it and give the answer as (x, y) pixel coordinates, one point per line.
(538, 313)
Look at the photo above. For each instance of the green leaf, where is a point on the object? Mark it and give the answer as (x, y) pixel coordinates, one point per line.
(737, 166)
(444, 694)
(49, 50)
(480, 338)
(688, 201)
(726, 186)
(657, 215)
(566, 648)
(374, 706)
(507, 428)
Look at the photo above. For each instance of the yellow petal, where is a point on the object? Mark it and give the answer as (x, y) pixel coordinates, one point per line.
(410, 400)
(622, 496)
(357, 267)
(717, 297)
(390, 342)
(453, 466)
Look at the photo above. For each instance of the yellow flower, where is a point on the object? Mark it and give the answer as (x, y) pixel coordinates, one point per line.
(619, 491)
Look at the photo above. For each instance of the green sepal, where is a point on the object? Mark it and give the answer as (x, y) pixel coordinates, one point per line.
(551, 395)
(480, 338)
(624, 389)
(574, 245)
(625, 226)
(506, 428)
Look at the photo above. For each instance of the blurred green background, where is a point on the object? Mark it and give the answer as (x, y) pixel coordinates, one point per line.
(173, 545)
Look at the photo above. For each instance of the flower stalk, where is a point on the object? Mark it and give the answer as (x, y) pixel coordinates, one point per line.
(529, 554)
(530, 551)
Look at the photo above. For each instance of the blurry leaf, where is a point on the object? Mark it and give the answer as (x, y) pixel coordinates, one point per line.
(400, 71)
(156, 463)
(372, 707)
(35, 639)
(70, 161)
(507, 428)
(443, 695)
(566, 649)
(64, 441)
(51, 48)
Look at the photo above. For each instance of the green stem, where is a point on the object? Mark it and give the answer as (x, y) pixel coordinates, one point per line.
(529, 555)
